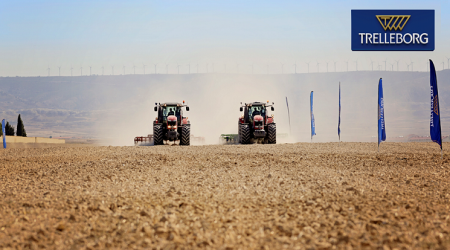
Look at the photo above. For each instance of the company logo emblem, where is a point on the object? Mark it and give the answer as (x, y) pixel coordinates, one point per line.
(393, 30)
(393, 21)
(436, 110)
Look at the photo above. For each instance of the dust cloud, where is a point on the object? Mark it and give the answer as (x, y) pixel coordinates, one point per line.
(214, 101)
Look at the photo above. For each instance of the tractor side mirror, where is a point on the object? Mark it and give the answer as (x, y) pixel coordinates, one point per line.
(272, 108)
(187, 108)
(240, 109)
(156, 109)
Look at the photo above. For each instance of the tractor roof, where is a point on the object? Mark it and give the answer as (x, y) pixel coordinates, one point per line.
(171, 104)
(257, 103)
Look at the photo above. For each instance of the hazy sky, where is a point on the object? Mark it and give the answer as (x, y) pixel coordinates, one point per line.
(231, 35)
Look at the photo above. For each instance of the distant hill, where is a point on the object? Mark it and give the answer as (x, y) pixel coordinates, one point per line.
(121, 107)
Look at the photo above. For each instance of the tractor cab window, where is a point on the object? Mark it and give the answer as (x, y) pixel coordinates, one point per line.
(263, 113)
(168, 110)
(256, 110)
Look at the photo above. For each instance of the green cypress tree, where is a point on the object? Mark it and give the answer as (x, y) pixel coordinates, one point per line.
(9, 129)
(20, 128)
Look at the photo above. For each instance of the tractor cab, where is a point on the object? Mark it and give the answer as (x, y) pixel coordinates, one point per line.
(166, 110)
(170, 111)
(255, 109)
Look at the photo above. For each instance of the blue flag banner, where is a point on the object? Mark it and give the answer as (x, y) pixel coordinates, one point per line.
(381, 124)
(3, 133)
(435, 120)
(313, 124)
(289, 116)
(339, 122)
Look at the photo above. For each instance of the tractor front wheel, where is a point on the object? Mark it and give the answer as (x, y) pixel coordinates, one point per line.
(272, 133)
(158, 134)
(185, 135)
(245, 134)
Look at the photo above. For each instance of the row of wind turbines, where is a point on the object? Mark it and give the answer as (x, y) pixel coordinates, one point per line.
(209, 68)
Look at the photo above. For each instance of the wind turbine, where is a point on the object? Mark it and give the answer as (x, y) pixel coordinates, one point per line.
(134, 69)
(392, 66)
(384, 64)
(412, 66)
(90, 67)
(112, 70)
(48, 68)
(123, 70)
(155, 68)
(397, 63)
(295, 67)
(442, 65)
(327, 67)
(71, 70)
(371, 63)
(81, 70)
(308, 66)
(448, 61)
(335, 65)
(318, 66)
(407, 66)
(59, 72)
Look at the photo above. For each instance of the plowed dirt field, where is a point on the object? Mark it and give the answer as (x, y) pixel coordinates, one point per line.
(292, 196)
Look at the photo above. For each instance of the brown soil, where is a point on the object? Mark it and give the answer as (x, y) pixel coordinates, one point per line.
(295, 196)
(46, 145)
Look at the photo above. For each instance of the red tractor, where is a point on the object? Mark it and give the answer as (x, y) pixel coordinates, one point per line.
(256, 125)
(171, 125)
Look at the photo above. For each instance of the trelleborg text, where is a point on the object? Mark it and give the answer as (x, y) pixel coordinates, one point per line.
(393, 38)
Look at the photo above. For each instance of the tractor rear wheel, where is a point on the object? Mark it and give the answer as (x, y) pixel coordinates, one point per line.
(239, 133)
(245, 134)
(272, 133)
(185, 135)
(158, 134)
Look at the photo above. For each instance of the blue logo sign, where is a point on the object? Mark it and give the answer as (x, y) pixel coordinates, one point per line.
(393, 30)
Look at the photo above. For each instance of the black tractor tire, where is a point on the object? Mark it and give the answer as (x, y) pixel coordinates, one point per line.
(239, 132)
(158, 134)
(185, 139)
(245, 134)
(272, 133)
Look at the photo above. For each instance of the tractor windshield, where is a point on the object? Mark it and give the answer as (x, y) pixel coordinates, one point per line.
(257, 110)
(169, 110)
